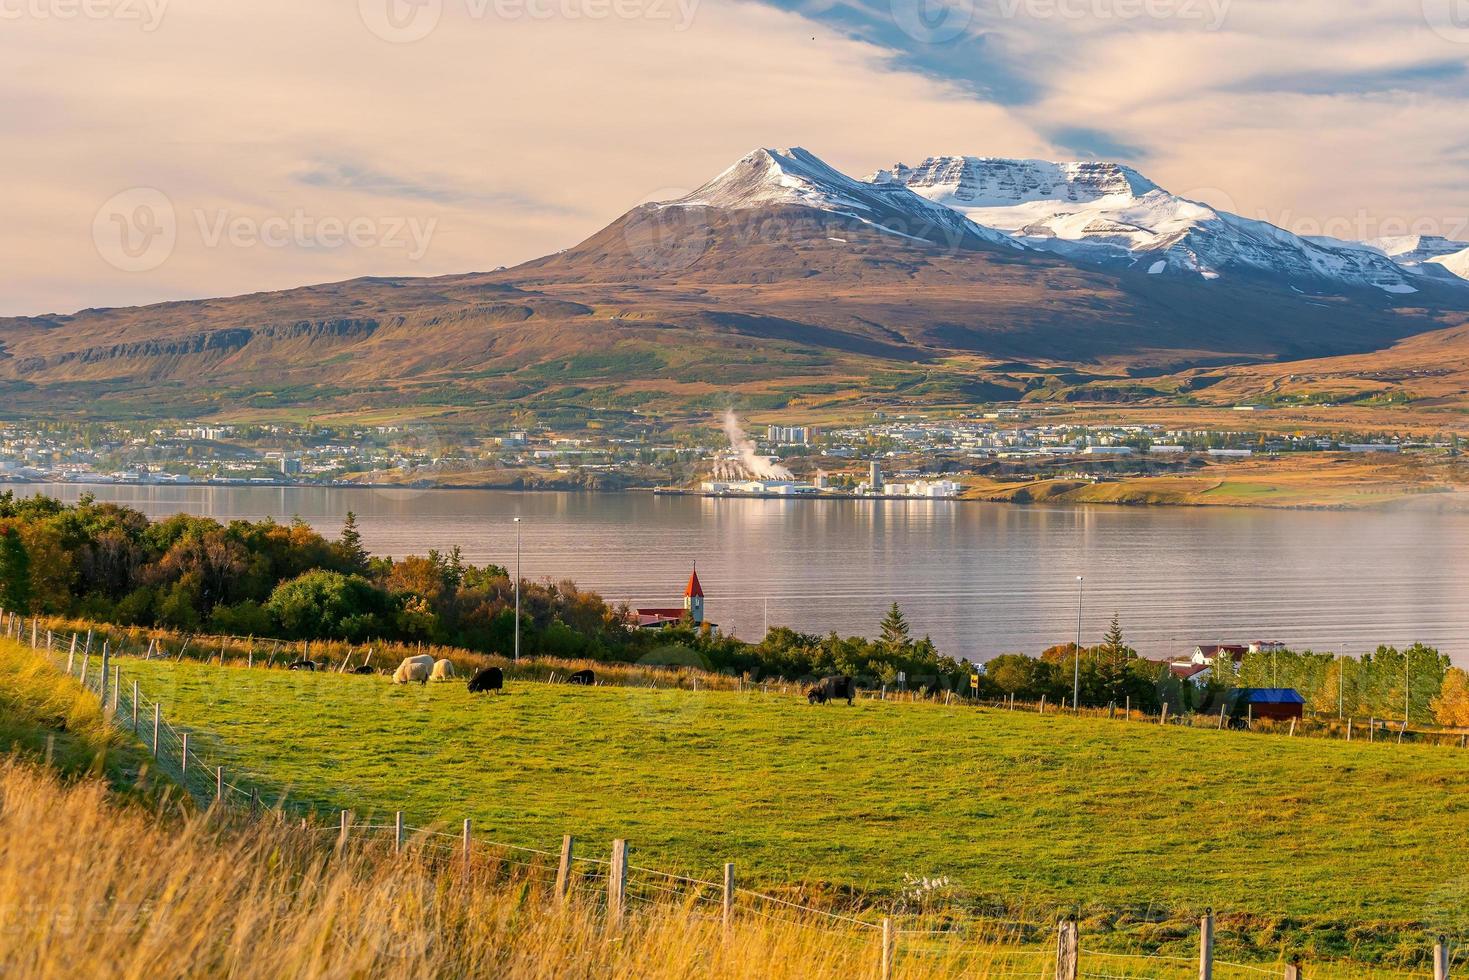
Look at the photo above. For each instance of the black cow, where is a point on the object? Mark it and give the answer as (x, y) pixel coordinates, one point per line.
(832, 689)
(487, 679)
(582, 677)
(302, 665)
(364, 669)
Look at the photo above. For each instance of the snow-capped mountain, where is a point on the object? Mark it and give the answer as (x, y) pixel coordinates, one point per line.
(1456, 263)
(1109, 214)
(782, 177)
(1427, 255)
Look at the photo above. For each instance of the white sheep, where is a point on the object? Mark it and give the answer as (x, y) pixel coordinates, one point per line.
(414, 669)
(443, 670)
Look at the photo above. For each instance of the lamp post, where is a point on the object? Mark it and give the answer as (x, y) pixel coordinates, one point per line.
(1341, 681)
(517, 590)
(1076, 660)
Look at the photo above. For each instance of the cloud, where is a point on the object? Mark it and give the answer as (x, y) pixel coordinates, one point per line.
(509, 136)
(516, 127)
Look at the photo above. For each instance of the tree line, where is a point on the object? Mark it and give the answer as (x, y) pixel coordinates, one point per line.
(110, 563)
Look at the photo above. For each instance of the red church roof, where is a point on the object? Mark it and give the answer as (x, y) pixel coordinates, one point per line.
(694, 589)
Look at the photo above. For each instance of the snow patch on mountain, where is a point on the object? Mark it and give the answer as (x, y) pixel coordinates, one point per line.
(1456, 263)
(1106, 213)
(795, 176)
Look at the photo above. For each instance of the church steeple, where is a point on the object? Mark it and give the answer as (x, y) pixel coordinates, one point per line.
(693, 597)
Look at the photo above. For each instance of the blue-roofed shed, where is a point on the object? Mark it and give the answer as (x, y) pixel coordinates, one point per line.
(1279, 703)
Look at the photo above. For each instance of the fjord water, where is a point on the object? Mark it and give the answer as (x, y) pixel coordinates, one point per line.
(981, 579)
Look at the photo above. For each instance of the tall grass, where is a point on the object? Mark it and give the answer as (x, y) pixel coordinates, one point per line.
(91, 888)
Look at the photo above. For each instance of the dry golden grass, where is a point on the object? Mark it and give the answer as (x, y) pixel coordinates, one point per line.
(89, 888)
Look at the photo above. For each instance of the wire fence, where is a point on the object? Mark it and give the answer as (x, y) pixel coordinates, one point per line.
(994, 947)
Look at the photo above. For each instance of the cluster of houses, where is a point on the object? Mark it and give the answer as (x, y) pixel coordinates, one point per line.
(1278, 703)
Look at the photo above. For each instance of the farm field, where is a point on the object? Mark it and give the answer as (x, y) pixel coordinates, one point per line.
(1332, 849)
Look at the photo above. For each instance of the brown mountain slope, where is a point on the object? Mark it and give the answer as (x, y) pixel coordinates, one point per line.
(676, 306)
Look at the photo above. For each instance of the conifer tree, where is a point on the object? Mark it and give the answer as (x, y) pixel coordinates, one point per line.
(354, 555)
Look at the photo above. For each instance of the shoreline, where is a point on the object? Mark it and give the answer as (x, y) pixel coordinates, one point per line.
(1053, 493)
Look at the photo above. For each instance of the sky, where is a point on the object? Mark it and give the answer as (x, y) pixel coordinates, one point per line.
(169, 149)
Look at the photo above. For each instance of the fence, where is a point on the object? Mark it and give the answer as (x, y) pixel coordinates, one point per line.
(625, 887)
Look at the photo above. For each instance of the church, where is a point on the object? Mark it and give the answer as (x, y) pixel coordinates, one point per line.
(693, 608)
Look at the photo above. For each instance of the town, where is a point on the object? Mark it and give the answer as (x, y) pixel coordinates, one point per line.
(910, 455)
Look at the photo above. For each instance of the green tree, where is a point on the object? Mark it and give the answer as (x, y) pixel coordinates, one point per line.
(1113, 676)
(15, 572)
(896, 635)
(322, 604)
(349, 546)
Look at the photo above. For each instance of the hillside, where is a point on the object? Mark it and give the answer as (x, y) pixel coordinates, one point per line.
(779, 277)
(1012, 810)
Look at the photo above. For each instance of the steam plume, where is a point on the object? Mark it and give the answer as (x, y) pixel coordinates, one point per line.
(747, 463)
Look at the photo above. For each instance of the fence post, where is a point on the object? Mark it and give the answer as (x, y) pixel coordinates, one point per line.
(1292, 728)
(50, 748)
(398, 832)
(219, 784)
(1440, 960)
(1066, 959)
(729, 896)
(468, 829)
(1221, 718)
(254, 802)
(1293, 971)
(1043, 704)
(86, 668)
(1371, 729)
(102, 681)
(563, 870)
(617, 882)
(1163, 718)
(71, 656)
(157, 719)
(135, 707)
(887, 949)
(184, 757)
(116, 688)
(1349, 729)
(1206, 946)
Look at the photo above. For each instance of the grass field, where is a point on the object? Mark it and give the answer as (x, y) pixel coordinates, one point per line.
(1303, 844)
(1305, 481)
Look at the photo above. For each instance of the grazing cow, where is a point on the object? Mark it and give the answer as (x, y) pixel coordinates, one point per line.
(364, 669)
(832, 688)
(302, 665)
(582, 677)
(414, 669)
(487, 679)
(443, 670)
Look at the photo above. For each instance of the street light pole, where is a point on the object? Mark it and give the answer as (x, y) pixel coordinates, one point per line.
(1076, 661)
(1341, 681)
(517, 590)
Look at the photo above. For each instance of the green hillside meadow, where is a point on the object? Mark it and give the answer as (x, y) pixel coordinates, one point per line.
(1303, 844)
